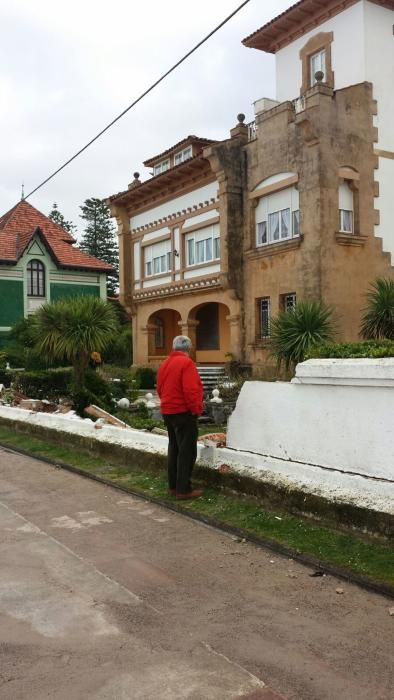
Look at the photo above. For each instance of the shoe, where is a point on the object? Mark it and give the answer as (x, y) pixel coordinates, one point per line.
(196, 493)
(172, 492)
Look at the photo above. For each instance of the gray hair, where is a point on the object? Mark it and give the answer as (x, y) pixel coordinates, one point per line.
(182, 343)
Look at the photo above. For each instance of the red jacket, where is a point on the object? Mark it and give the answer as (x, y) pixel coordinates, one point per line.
(179, 385)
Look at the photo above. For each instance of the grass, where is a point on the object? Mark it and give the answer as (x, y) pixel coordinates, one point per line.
(361, 555)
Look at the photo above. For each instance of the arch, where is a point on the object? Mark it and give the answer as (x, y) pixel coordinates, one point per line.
(162, 327)
(210, 322)
(36, 286)
(277, 181)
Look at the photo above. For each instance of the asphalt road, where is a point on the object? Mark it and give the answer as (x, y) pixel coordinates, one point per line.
(106, 597)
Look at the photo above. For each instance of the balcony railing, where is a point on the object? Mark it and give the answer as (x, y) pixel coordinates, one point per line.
(252, 131)
(299, 104)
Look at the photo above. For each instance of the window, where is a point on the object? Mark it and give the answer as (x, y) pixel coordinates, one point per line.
(318, 63)
(264, 307)
(278, 217)
(346, 208)
(35, 279)
(203, 246)
(288, 302)
(161, 167)
(181, 156)
(159, 332)
(157, 258)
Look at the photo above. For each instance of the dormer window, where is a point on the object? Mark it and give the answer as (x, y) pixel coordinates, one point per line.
(318, 65)
(181, 156)
(161, 167)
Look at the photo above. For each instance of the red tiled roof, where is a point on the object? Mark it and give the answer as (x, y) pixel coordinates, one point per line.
(298, 19)
(192, 140)
(18, 226)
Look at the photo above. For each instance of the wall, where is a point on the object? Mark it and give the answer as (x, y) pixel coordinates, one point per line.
(379, 42)
(61, 291)
(348, 54)
(329, 423)
(201, 194)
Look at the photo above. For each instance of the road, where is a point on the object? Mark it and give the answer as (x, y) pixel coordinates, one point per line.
(106, 597)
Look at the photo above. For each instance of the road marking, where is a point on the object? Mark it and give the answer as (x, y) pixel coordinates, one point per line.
(258, 681)
(130, 593)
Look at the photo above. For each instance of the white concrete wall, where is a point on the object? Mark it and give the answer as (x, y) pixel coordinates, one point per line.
(190, 199)
(330, 423)
(379, 45)
(348, 54)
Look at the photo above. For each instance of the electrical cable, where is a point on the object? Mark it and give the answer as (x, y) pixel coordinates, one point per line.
(157, 82)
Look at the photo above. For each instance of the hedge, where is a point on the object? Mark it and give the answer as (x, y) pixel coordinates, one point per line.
(368, 348)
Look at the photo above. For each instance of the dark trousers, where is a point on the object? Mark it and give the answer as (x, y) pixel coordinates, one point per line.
(182, 449)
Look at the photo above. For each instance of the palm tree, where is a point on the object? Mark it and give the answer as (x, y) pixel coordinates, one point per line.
(294, 333)
(378, 319)
(71, 329)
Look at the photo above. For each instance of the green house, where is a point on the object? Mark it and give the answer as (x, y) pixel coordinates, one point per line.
(39, 263)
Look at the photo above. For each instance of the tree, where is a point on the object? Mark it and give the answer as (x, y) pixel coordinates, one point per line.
(59, 219)
(378, 317)
(99, 238)
(294, 333)
(71, 329)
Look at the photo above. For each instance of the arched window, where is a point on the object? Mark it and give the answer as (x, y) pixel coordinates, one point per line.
(35, 279)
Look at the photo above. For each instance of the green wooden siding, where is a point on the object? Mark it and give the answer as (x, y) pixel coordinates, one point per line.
(59, 291)
(11, 301)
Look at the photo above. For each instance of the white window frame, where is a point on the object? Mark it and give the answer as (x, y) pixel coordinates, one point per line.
(266, 226)
(343, 215)
(159, 264)
(183, 155)
(266, 326)
(202, 246)
(346, 208)
(161, 167)
(320, 60)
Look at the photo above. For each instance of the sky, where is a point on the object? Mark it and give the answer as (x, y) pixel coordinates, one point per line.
(67, 69)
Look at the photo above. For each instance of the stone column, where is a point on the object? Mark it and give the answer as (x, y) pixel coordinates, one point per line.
(148, 333)
(189, 328)
(235, 335)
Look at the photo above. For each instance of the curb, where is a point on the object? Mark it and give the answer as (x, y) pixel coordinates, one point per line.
(262, 542)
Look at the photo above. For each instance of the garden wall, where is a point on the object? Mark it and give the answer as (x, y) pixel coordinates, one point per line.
(336, 414)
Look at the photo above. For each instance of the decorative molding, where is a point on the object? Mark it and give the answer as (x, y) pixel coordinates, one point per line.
(274, 248)
(176, 288)
(320, 42)
(177, 218)
(6, 274)
(350, 239)
(384, 154)
(348, 173)
(274, 187)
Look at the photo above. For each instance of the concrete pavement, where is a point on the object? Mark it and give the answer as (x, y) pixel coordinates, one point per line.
(106, 597)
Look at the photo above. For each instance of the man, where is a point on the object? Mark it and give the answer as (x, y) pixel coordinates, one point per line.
(181, 393)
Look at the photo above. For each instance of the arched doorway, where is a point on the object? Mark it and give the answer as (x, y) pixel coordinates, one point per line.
(163, 326)
(212, 335)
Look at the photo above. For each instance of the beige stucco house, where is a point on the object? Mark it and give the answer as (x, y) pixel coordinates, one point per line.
(297, 205)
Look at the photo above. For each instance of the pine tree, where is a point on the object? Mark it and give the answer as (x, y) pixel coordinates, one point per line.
(59, 219)
(99, 237)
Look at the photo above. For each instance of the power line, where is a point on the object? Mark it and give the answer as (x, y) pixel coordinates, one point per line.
(178, 63)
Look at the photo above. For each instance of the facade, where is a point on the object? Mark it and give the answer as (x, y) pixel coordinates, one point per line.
(299, 204)
(39, 263)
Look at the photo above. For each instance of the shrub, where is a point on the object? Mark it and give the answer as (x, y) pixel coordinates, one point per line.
(145, 377)
(370, 348)
(45, 384)
(138, 422)
(294, 333)
(378, 318)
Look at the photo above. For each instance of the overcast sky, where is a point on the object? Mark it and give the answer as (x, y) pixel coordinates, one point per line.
(67, 69)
